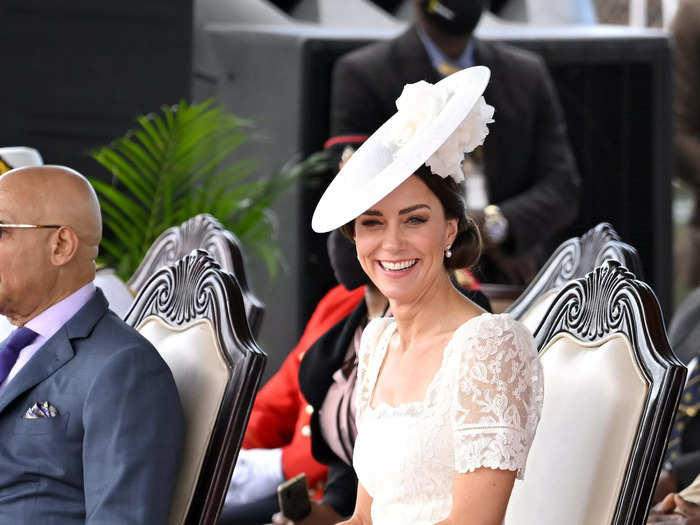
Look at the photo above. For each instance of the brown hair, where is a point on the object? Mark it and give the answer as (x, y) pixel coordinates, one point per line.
(466, 247)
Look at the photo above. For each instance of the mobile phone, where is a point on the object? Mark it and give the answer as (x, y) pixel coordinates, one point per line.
(293, 497)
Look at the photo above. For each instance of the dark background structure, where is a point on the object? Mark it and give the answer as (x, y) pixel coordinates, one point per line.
(75, 75)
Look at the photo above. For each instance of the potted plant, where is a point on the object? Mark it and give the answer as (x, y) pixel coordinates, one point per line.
(177, 164)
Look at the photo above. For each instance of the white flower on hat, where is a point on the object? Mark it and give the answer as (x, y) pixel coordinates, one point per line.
(419, 104)
(447, 160)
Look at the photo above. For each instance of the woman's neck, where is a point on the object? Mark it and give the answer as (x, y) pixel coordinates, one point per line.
(437, 310)
(376, 302)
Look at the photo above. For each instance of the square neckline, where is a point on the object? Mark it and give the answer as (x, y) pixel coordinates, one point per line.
(417, 406)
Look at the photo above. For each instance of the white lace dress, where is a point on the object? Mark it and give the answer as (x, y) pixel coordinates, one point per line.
(480, 410)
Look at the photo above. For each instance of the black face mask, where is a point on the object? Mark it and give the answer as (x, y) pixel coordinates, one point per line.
(343, 257)
(454, 17)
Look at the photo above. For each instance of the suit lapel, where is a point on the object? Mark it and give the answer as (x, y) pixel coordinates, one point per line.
(483, 56)
(57, 351)
(411, 60)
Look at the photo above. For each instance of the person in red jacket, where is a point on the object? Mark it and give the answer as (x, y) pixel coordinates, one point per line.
(277, 443)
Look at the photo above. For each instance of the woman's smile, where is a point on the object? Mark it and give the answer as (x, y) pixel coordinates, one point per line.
(398, 266)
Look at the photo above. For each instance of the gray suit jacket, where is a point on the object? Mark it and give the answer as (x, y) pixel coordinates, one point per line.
(112, 453)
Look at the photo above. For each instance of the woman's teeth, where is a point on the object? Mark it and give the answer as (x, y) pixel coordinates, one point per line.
(395, 266)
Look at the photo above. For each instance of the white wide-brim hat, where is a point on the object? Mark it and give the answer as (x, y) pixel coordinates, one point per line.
(381, 164)
(20, 156)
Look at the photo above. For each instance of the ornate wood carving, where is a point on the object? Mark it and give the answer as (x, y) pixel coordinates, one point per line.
(609, 300)
(201, 232)
(573, 259)
(194, 288)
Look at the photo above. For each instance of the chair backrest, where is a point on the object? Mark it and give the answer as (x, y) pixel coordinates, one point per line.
(193, 313)
(117, 293)
(573, 259)
(612, 386)
(201, 232)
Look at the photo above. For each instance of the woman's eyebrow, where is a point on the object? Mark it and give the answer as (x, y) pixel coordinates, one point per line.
(413, 208)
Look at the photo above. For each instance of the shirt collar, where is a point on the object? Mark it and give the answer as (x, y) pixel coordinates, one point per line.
(437, 57)
(53, 318)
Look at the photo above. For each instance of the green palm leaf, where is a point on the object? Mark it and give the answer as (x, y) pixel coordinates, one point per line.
(179, 163)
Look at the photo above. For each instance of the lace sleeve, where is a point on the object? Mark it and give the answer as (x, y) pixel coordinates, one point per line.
(499, 393)
(365, 383)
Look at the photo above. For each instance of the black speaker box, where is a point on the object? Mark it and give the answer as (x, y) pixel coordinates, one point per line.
(615, 88)
(75, 74)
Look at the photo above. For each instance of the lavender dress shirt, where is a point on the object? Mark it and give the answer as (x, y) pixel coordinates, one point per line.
(48, 323)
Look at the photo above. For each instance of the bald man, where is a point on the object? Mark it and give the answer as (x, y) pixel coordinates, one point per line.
(90, 420)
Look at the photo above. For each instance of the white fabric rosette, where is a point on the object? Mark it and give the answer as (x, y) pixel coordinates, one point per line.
(434, 126)
(419, 104)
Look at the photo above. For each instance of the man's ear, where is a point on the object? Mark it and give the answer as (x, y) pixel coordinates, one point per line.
(64, 245)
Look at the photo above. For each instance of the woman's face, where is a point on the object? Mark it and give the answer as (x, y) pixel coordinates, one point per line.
(401, 240)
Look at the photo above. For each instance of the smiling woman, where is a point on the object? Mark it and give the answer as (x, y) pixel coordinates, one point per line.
(449, 396)
(464, 251)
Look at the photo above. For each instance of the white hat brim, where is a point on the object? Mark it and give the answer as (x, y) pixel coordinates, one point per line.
(21, 157)
(375, 169)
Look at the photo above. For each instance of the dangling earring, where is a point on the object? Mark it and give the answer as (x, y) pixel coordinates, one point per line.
(448, 252)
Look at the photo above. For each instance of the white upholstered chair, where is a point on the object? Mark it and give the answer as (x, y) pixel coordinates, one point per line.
(611, 389)
(573, 259)
(117, 293)
(201, 232)
(193, 313)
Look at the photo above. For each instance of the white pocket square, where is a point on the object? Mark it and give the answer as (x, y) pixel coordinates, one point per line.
(41, 410)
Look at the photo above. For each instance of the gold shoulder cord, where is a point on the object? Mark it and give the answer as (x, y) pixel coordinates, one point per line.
(4, 166)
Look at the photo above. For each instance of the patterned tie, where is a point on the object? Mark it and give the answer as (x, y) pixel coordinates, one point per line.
(688, 408)
(9, 353)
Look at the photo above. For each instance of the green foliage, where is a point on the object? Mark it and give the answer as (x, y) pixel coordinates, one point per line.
(175, 165)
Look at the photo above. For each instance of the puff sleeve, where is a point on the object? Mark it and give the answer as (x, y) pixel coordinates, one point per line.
(498, 395)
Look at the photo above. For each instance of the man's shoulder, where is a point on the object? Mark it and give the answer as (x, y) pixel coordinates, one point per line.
(112, 338)
(367, 57)
(507, 58)
(114, 329)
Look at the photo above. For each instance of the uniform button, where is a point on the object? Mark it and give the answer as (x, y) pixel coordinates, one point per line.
(306, 431)
(309, 409)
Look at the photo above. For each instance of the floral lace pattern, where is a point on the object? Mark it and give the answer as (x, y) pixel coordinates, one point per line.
(480, 410)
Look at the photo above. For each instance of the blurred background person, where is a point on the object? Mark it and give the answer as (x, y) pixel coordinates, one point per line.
(522, 186)
(277, 444)
(686, 33)
(678, 509)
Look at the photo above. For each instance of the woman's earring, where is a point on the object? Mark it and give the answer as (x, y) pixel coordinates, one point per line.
(448, 252)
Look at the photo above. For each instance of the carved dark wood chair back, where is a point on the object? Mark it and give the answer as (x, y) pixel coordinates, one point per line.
(201, 232)
(573, 259)
(612, 385)
(192, 312)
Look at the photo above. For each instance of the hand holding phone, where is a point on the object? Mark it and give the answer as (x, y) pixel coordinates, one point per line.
(293, 498)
